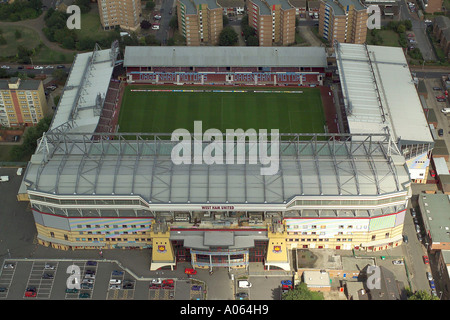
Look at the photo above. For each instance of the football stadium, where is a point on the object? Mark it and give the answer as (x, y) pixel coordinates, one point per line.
(103, 176)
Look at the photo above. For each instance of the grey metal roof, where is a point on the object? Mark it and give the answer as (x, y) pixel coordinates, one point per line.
(142, 167)
(379, 93)
(225, 56)
(263, 8)
(24, 84)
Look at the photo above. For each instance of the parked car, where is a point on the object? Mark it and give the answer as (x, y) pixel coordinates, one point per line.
(168, 286)
(87, 286)
(157, 17)
(88, 281)
(405, 238)
(114, 286)
(6, 67)
(437, 88)
(432, 172)
(38, 67)
(31, 292)
(244, 284)
(156, 281)
(128, 285)
(241, 295)
(426, 260)
(49, 267)
(416, 221)
(3, 289)
(115, 281)
(432, 286)
(429, 276)
(117, 273)
(49, 67)
(413, 212)
(445, 110)
(155, 27)
(398, 262)
(85, 295)
(47, 276)
(89, 276)
(91, 263)
(72, 290)
(190, 271)
(440, 132)
(196, 288)
(61, 67)
(168, 281)
(8, 266)
(417, 228)
(419, 237)
(90, 271)
(155, 286)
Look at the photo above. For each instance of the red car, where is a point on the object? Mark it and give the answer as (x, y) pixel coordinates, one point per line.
(168, 281)
(433, 173)
(426, 260)
(30, 292)
(440, 97)
(190, 271)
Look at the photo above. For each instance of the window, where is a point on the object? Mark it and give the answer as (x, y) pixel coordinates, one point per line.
(373, 237)
(52, 234)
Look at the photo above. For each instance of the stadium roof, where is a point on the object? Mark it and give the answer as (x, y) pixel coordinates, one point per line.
(225, 56)
(380, 94)
(66, 165)
(82, 98)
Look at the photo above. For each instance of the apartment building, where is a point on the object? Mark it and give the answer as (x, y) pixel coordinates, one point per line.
(273, 20)
(122, 13)
(21, 102)
(344, 21)
(200, 21)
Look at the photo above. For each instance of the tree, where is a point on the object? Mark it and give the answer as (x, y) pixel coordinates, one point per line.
(84, 5)
(150, 5)
(401, 28)
(145, 24)
(173, 23)
(228, 37)
(23, 54)
(301, 292)
(252, 41)
(60, 75)
(422, 295)
(150, 40)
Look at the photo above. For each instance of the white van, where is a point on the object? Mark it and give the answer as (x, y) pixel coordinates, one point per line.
(244, 284)
(445, 110)
(19, 171)
(115, 281)
(4, 178)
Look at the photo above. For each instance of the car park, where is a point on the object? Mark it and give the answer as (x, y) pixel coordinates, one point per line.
(426, 260)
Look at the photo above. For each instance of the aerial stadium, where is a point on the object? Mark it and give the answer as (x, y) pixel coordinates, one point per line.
(93, 186)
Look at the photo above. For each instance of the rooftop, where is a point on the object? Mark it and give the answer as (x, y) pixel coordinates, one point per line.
(379, 93)
(435, 209)
(24, 84)
(225, 56)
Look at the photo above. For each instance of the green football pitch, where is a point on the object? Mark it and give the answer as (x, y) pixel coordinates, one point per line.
(163, 112)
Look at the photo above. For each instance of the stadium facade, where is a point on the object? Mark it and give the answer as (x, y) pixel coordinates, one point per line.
(298, 66)
(94, 190)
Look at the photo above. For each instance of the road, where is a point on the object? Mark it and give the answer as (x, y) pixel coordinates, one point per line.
(419, 29)
(164, 8)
